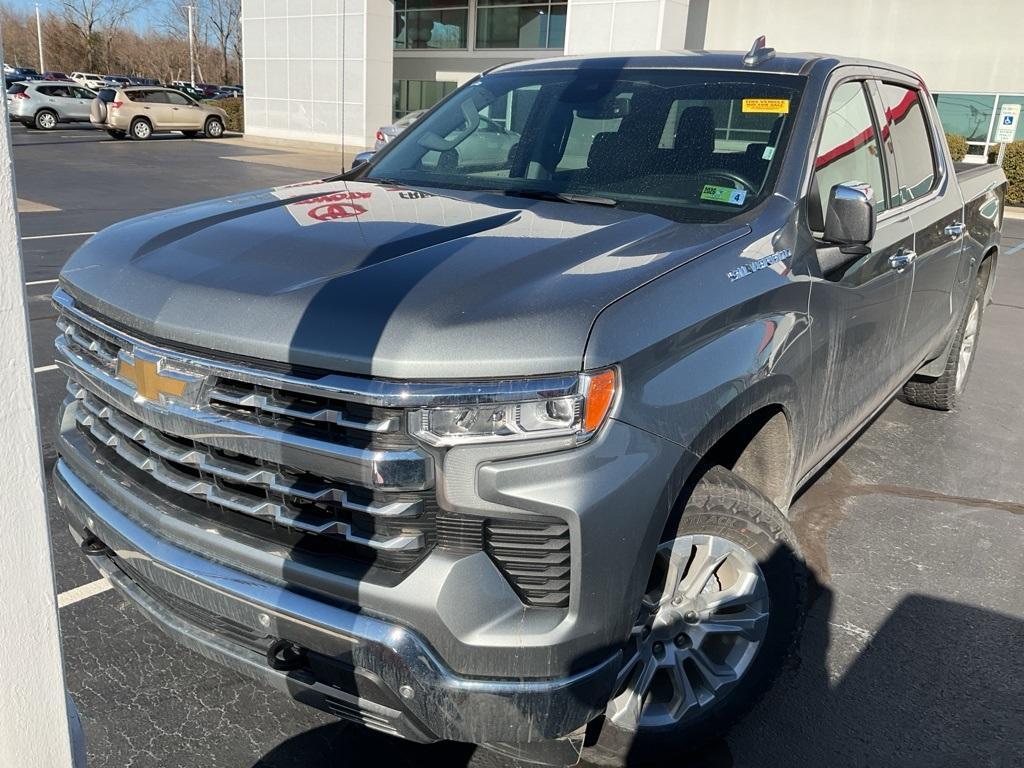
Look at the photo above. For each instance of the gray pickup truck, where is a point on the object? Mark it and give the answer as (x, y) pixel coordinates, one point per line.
(502, 452)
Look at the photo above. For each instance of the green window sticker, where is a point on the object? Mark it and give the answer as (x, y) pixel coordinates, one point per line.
(719, 194)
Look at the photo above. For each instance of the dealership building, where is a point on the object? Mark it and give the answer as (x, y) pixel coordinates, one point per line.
(333, 71)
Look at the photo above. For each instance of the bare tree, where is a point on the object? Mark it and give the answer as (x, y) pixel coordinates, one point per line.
(95, 22)
(223, 18)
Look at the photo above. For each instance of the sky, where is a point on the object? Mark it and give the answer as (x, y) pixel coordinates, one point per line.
(145, 17)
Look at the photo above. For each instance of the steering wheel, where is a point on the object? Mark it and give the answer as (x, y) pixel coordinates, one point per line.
(736, 178)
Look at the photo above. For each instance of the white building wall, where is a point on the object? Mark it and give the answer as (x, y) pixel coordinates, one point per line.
(317, 70)
(952, 45)
(603, 26)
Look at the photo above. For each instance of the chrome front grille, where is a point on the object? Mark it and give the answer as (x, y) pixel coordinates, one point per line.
(274, 448)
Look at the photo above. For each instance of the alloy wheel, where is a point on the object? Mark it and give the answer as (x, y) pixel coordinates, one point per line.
(701, 623)
(141, 129)
(968, 345)
(47, 121)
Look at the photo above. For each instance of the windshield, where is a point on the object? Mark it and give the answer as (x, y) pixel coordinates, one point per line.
(693, 145)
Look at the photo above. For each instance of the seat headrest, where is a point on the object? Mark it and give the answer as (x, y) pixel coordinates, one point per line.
(695, 131)
(604, 148)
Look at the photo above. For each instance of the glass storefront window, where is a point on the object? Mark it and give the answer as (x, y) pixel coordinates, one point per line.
(974, 116)
(438, 24)
(966, 114)
(411, 95)
(520, 24)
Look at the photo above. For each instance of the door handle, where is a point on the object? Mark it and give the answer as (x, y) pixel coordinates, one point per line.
(902, 259)
(955, 230)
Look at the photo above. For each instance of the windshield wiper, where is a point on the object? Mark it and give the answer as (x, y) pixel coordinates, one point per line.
(561, 197)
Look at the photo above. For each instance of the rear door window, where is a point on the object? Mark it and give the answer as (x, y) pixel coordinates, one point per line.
(906, 128)
(176, 98)
(849, 149)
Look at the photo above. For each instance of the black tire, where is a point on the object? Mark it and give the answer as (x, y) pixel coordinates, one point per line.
(140, 129)
(724, 506)
(214, 128)
(115, 134)
(46, 120)
(190, 134)
(942, 393)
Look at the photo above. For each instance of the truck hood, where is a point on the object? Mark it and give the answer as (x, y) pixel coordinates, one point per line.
(381, 280)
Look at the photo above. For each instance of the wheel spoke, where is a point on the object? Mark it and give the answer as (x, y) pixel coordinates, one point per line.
(685, 697)
(747, 589)
(631, 703)
(708, 559)
(748, 625)
(715, 675)
(627, 670)
(676, 559)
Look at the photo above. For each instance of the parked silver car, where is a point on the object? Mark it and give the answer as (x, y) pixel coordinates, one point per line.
(43, 105)
(387, 132)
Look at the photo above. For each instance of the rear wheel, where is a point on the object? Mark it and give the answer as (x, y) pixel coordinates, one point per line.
(46, 120)
(115, 134)
(942, 393)
(140, 129)
(214, 128)
(722, 611)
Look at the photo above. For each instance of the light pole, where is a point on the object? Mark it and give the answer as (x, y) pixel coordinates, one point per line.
(39, 37)
(191, 46)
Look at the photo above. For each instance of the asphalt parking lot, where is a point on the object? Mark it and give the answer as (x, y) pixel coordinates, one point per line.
(912, 652)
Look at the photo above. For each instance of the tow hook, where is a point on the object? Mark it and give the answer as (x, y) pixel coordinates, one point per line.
(93, 547)
(286, 656)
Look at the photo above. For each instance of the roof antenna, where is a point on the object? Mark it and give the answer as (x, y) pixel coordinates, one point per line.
(758, 53)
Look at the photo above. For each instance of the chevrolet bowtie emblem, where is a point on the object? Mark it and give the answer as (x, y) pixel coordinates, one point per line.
(151, 382)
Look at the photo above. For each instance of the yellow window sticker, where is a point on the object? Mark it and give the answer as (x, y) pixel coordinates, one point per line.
(771, 106)
(719, 194)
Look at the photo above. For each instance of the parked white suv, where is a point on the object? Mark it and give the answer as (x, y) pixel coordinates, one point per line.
(88, 79)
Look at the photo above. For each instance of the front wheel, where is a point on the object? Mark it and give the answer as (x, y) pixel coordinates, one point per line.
(722, 611)
(214, 128)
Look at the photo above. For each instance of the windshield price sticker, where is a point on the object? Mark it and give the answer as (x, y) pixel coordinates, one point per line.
(723, 194)
(771, 106)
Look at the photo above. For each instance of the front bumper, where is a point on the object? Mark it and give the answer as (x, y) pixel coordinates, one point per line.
(356, 666)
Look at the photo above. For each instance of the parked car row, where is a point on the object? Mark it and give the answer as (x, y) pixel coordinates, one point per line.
(133, 111)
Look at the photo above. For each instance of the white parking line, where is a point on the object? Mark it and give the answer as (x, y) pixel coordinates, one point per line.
(44, 368)
(62, 234)
(77, 594)
(42, 282)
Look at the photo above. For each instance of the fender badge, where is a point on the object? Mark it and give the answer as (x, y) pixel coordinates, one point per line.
(759, 264)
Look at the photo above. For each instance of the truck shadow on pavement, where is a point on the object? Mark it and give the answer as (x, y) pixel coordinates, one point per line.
(925, 689)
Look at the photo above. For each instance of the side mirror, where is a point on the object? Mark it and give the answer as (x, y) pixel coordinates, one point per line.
(361, 159)
(850, 217)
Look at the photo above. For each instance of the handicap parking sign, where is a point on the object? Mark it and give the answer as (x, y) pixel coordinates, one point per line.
(1009, 115)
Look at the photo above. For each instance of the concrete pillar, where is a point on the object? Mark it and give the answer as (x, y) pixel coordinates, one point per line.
(609, 26)
(318, 73)
(35, 714)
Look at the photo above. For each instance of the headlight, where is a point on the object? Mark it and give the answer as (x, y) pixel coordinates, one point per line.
(538, 415)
